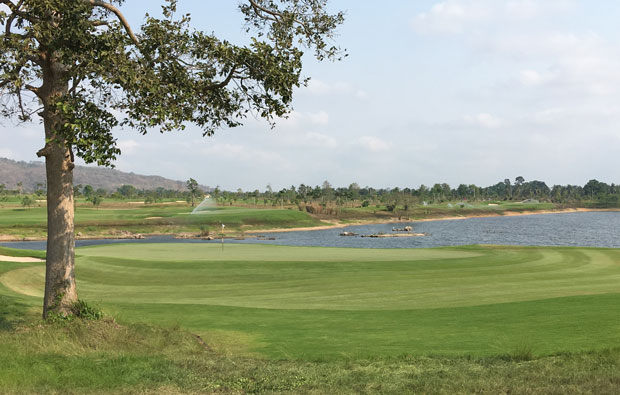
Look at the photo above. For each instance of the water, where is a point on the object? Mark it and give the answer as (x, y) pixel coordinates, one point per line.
(590, 229)
(208, 204)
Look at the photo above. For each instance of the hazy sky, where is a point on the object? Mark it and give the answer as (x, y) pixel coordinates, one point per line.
(456, 91)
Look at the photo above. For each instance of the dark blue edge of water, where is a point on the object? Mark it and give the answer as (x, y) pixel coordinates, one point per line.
(586, 229)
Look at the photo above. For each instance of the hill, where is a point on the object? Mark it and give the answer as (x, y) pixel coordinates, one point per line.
(32, 173)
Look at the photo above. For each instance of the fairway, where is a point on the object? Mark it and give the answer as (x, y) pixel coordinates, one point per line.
(313, 303)
(158, 219)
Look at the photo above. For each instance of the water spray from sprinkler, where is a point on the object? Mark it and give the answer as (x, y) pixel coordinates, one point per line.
(206, 206)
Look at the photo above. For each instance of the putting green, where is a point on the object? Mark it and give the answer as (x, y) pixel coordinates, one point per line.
(330, 302)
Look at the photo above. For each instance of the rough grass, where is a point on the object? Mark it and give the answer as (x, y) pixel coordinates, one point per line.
(105, 357)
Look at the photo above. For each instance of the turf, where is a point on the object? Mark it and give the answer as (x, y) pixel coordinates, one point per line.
(31, 222)
(308, 303)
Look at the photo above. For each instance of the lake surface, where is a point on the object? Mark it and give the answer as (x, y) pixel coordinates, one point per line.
(588, 229)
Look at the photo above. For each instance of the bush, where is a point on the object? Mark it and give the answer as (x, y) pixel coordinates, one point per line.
(83, 310)
(27, 201)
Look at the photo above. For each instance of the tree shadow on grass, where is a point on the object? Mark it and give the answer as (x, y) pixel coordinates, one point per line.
(12, 313)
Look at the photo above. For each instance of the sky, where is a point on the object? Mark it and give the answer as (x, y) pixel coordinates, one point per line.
(455, 91)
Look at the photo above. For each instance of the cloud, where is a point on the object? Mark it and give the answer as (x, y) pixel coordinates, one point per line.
(460, 16)
(531, 78)
(127, 146)
(7, 153)
(451, 16)
(361, 94)
(242, 154)
(528, 9)
(322, 88)
(374, 144)
(485, 120)
(320, 140)
(574, 64)
(318, 118)
(298, 119)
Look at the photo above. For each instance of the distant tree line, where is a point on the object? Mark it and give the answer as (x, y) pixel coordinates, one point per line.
(320, 198)
(326, 198)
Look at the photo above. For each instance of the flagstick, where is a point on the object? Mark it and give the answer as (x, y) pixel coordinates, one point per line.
(223, 226)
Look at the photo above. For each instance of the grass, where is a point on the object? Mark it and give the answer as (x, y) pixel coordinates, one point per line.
(309, 303)
(104, 357)
(320, 321)
(174, 218)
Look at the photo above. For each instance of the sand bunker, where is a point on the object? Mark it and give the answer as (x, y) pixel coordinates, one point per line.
(21, 259)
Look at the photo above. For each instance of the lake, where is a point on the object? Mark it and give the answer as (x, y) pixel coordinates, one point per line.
(590, 229)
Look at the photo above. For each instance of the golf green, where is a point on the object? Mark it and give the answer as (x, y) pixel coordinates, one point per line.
(325, 303)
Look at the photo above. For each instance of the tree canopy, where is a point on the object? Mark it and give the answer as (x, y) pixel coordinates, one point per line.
(82, 68)
(163, 76)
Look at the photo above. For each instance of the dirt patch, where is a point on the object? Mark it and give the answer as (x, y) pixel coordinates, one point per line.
(153, 217)
(21, 259)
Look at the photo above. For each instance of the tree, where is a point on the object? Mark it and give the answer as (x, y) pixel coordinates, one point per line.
(519, 180)
(127, 191)
(192, 186)
(81, 67)
(508, 188)
(88, 192)
(27, 201)
(96, 200)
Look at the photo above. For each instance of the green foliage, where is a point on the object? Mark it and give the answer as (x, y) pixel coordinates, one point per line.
(80, 310)
(163, 77)
(204, 230)
(27, 201)
(96, 200)
(84, 311)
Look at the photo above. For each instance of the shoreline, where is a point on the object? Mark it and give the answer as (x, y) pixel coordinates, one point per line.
(450, 218)
(334, 225)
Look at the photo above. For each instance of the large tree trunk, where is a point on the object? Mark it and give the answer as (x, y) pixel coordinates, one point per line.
(60, 289)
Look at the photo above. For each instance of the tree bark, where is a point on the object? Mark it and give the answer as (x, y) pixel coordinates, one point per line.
(60, 287)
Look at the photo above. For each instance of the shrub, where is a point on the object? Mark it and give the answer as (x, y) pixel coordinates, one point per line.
(83, 310)
(27, 201)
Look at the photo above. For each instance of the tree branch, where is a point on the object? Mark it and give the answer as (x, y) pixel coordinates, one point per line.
(34, 89)
(11, 18)
(258, 8)
(274, 15)
(45, 150)
(119, 15)
(225, 82)
(15, 10)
